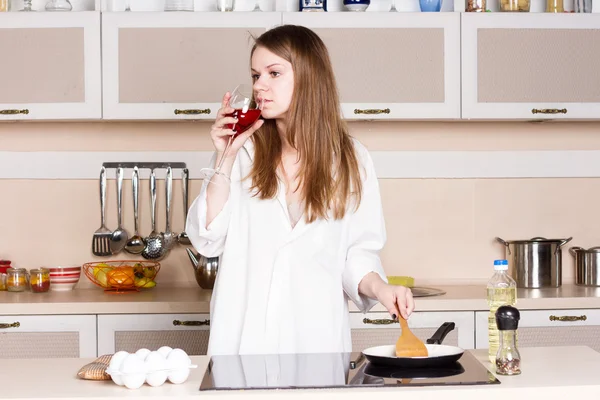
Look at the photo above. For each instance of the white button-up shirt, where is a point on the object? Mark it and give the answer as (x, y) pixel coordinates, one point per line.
(281, 289)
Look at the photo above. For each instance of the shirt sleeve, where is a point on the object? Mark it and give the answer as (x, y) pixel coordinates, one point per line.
(367, 236)
(208, 240)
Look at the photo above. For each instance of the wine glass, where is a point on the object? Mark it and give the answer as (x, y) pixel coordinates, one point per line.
(247, 110)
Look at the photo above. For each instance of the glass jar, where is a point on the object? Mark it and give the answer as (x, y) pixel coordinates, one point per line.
(555, 6)
(514, 5)
(39, 280)
(4, 266)
(179, 5)
(59, 5)
(17, 281)
(4, 5)
(476, 5)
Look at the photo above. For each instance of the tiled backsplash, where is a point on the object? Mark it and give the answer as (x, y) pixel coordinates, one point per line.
(439, 230)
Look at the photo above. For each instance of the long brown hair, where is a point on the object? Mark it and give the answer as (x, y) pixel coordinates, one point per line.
(329, 175)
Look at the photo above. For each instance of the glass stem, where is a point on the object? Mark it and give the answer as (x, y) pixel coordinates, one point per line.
(224, 154)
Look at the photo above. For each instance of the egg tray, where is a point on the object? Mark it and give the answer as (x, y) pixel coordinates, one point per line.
(140, 370)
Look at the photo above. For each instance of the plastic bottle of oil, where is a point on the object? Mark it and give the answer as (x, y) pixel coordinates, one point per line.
(501, 290)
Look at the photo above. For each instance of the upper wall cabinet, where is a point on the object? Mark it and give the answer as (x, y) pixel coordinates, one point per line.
(530, 66)
(392, 65)
(175, 65)
(50, 66)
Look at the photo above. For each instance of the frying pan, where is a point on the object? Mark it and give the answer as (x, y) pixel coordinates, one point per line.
(439, 355)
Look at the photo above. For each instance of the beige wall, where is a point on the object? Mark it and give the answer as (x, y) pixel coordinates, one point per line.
(440, 231)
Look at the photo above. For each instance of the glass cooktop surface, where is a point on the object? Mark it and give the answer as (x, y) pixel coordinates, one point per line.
(333, 370)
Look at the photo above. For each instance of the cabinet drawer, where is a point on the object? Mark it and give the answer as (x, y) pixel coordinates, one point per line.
(546, 328)
(48, 336)
(189, 332)
(376, 329)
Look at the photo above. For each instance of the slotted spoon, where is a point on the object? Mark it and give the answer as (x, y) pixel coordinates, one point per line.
(408, 345)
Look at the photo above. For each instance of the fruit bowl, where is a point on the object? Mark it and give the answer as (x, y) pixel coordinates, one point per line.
(123, 275)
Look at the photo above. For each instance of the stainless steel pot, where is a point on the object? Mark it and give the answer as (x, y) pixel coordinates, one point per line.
(535, 263)
(587, 265)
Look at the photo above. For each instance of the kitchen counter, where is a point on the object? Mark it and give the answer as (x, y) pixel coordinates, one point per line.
(165, 300)
(549, 373)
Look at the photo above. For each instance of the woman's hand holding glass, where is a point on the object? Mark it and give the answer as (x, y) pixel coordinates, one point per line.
(237, 120)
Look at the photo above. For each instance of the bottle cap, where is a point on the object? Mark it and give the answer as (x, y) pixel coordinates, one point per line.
(507, 318)
(501, 265)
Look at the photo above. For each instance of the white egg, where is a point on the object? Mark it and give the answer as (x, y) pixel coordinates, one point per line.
(134, 381)
(133, 370)
(142, 353)
(156, 365)
(179, 376)
(178, 359)
(165, 350)
(115, 364)
(178, 363)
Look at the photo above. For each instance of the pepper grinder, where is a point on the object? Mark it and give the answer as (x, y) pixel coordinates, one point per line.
(508, 359)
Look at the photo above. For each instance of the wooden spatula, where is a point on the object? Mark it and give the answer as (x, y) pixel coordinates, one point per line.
(408, 345)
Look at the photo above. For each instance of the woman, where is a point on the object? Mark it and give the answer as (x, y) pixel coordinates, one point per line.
(297, 216)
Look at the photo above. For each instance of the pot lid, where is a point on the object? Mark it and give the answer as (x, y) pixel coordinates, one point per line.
(535, 240)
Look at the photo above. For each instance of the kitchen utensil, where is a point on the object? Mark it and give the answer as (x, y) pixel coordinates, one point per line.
(183, 238)
(535, 263)
(155, 247)
(122, 275)
(408, 345)
(119, 237)
(587, 265)
(102, 236)
(135, 244)
(169, 238)
(205, 269)
(438, 355)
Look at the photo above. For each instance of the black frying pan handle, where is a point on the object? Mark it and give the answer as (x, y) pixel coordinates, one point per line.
(440, 334)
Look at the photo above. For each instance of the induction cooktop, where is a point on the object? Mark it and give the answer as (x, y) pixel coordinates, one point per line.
(333, 370)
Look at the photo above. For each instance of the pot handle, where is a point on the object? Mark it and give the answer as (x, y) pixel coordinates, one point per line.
(504, 243)
(440, 334)
(573, 250)
(565, 241)
(562, 243)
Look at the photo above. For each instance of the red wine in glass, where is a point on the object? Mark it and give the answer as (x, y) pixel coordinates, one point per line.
(245, 119)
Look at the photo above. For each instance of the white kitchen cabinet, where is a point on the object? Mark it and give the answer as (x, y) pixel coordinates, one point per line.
(174, 66)
(47, 336)
(50, 68)
(377, 328)
(530, 66)
(546, 328)
(131, 332)
(392, 65)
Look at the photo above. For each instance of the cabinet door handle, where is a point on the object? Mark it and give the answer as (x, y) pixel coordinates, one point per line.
(549, 111)
(177, 322)
(13, 325)
(372, 111)
(192, 111)
(380, 321)
(13, 112)
(568, 318)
